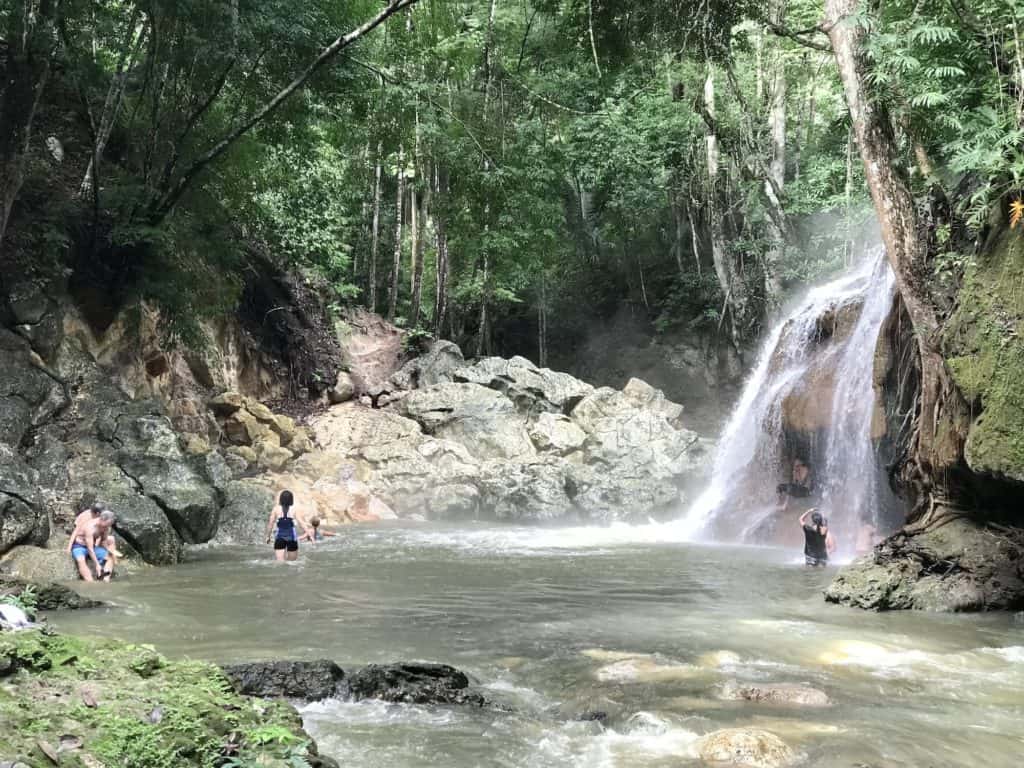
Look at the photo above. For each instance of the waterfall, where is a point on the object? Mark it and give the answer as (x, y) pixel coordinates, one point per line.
(810, 395)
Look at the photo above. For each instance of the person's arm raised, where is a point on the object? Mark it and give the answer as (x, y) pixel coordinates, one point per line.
(804, 516)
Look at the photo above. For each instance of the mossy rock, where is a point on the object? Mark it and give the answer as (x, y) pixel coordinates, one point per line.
(133, 708)
(984, 349)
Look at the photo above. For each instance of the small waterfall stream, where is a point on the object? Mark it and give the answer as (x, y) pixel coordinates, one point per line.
(810, 396)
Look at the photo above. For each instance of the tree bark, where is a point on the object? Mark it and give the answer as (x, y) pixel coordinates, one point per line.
(396, 266)
(777, 171)
(32, 43)
(418, 254)
(941, 415)
(725, 269)
(441, 265)
(375, 233)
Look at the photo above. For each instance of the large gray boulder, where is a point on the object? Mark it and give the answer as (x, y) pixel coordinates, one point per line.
(555, 433)
(481, 419)
(436, 366)
(22, 520)
(530, 388)
(533, 491)
(304, 680)
(959, 566)
(151, 456)
(27, 395)
(413, 684)
(243, 518)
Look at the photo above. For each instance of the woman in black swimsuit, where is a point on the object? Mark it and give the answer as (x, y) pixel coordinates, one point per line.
(283, 518)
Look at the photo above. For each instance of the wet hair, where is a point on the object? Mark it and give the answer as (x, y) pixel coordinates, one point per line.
(817, 519)
(97, 508)
(315, 521)
(286, 500)
(106, 516)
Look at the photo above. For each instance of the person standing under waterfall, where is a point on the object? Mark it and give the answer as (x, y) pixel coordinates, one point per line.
(818, 540)
(802, 484)
(283, 518)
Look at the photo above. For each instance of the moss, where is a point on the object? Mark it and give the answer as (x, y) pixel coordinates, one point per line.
(149, 713)
(984, 347)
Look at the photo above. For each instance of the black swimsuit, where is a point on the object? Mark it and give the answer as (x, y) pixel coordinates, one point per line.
(815, 546)
(286, 538)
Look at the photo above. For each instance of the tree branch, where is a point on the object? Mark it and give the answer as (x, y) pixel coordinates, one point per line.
(799, 35)
(165, 204)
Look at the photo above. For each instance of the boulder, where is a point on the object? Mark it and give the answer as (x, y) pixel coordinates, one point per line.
(22, 519)
(481, 419)
(27, 395)
(49, 596)
(556, 433)
(413, 684)
(643, 395)
(959, 566)
(532, 491)
(745, 747)
(530, 388)
(149, 453)
(41, 565)
(436, 366)
(243, 518)
(305, 680)
(272, 457)
(344, 389)
(227, 403)
(775, 693)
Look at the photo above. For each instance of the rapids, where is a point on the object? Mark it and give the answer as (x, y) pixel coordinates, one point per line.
(556, 623)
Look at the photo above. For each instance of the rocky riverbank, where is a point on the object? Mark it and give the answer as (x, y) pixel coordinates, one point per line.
(74, 702)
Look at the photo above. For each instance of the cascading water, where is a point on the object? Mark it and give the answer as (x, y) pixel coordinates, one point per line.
(809, 396)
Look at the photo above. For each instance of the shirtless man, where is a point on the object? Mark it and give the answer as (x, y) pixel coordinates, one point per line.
(93, 539)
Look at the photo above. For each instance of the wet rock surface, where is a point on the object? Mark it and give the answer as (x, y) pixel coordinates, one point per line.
(413, 684)
(305, 680)
(791, 694)
(408, 683)
(958, 566)
(745, 747)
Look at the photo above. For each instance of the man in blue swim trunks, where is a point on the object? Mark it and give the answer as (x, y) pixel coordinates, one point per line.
(89, 540)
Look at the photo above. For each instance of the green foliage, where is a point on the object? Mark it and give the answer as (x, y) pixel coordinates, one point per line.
(151, 714)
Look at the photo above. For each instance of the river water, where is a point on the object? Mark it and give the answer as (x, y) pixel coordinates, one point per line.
(558, 622)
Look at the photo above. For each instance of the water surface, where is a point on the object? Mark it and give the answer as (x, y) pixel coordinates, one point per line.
(556, 623)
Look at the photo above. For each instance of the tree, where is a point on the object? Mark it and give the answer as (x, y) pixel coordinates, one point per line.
(938, 445)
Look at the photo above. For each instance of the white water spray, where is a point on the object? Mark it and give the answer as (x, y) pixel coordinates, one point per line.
(798, 355)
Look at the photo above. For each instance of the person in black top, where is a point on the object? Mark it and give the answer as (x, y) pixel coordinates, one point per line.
(818, 541)
(802, 485)
(283, 517)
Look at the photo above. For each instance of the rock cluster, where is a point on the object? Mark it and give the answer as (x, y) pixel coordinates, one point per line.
(504, 439)
(257, 436)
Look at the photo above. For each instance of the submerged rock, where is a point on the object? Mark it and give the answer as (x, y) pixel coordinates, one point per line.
(747, 747)
(956, 567)
(413, 684)
(775, 693)
(305, 680)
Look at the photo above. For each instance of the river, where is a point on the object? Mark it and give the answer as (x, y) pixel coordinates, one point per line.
(559, 622)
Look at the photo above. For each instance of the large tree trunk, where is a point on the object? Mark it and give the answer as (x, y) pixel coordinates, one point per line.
(441, 265)
(31, 43)
(728, 278)
(418, 254)
(134, 38)
(777, 171)
(375, 233)
(938, 447)
(396, 267)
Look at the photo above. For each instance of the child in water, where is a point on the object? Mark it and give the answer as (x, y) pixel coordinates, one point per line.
(316, 534)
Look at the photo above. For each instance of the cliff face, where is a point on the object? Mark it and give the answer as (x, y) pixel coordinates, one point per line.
(115, 414)
(973, 557)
